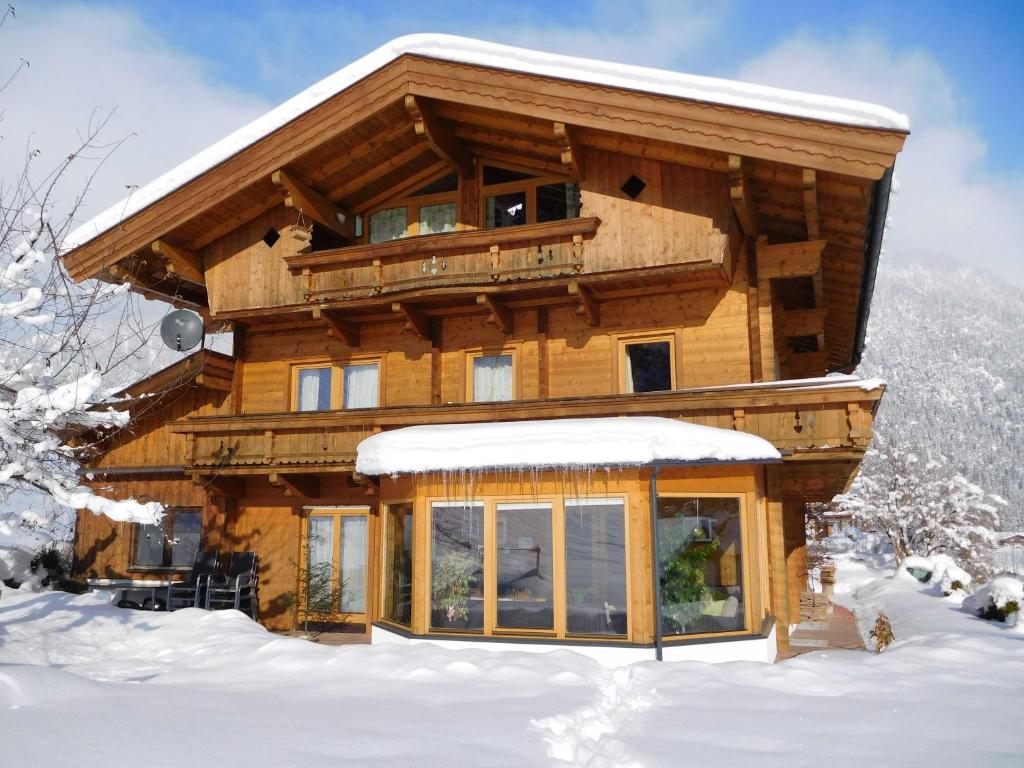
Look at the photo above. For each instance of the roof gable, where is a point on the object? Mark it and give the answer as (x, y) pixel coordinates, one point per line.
(858, 117)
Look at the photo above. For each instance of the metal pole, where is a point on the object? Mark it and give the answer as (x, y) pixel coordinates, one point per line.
(655, 565)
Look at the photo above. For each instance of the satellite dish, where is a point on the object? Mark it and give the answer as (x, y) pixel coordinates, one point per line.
(182, 330)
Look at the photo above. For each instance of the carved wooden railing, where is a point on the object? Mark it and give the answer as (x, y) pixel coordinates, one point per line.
(803, 421)
(550, 249)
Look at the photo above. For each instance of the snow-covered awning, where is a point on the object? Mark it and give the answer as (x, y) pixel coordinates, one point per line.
(628, 441)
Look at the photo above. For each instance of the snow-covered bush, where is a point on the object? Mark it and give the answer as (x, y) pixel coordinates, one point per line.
(999, 600)
(922, 507)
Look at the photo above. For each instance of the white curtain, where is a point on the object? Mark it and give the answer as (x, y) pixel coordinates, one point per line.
(315, 389)
(361, 386)
(321, 540)
(492, 378)
(388, 225)
(437, 218)
(629, 371)
(353, 564)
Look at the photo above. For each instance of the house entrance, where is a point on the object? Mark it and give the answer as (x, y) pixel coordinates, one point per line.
(333, 577)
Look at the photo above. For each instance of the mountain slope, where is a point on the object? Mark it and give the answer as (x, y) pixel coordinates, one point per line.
(951, 347)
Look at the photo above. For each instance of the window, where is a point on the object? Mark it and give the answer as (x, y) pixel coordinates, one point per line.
(648, 366)
(398, 532)
(173, 543)
(556, 202)
(362, 382)
(323, 387)
(389, 224)
(595, 567)
(525, 577)
(506, 210)
(512, 198)
(335, 574)
(492, 378)
(430, 210)
(699, 556)
(437, 218)
(314, 389)
(457, 566)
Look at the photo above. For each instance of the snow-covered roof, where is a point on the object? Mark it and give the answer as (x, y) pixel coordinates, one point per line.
(481, 53)
(599, 442)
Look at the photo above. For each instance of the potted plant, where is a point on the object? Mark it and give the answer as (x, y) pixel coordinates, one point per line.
(453, 574)
(683, 588)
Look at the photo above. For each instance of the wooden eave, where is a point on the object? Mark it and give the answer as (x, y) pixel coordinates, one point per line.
(204, 368)
(240, 188)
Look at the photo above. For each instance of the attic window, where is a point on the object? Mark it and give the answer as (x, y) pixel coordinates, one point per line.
(633, 187)
(271, 237)
(493, 175)
(449, 183)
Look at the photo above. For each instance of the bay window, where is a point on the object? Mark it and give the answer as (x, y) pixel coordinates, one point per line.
(699, 556)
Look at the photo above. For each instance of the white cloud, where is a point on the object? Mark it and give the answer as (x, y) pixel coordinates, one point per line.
(89, 62)
(951, 208)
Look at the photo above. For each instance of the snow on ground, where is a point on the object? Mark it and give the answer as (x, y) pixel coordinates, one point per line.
(82, 683)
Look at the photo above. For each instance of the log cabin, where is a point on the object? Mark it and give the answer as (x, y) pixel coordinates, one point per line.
(529, 351)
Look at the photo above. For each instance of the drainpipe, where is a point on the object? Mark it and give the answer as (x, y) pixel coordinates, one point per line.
(655, 565)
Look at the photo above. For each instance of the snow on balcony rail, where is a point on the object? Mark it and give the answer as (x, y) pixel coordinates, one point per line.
(556, 443)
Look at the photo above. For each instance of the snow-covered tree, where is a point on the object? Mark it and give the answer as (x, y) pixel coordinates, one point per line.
(57, 341)
(922, 506)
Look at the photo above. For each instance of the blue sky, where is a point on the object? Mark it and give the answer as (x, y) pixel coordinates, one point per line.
(175, 77)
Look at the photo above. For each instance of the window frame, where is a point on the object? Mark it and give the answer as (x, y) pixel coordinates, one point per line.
(491, 628)
(168, 557)
(383, 586)
(527, 186)
(625, 340)
(503, 351)
(337, 513)
(337, 368)
(748, 553)
(413, 203)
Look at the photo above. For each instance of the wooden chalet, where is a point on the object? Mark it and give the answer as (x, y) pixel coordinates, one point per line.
(450, 232)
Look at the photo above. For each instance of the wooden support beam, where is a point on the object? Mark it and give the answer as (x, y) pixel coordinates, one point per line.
(214, 382)
(588, 307)
(371, 484)
(810, 190)
(311, 203)
(439, 137)
(338, 326)
(741, 196)
(570, 149)
(298, 486)
(801, 259)
(415, 322)
(500, 316)
(219, 485)
(182, 263)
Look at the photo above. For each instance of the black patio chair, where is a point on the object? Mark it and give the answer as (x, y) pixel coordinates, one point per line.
(192, 593)
(238, 588)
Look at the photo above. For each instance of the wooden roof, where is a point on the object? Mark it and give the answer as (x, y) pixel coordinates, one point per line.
(356, 147)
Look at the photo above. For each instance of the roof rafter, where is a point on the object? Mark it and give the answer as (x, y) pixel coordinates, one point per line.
(439, 137)
(308, 202)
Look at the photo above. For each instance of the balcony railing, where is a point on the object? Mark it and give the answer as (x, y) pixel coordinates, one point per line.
(550, 249)
(804, 421)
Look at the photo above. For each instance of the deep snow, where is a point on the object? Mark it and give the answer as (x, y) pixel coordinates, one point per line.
(82, 683)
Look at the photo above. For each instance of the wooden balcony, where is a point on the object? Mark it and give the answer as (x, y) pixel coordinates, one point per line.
(550, 249)
(806, 421)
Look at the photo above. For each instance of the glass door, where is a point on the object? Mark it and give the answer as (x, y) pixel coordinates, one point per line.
(333, 578)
